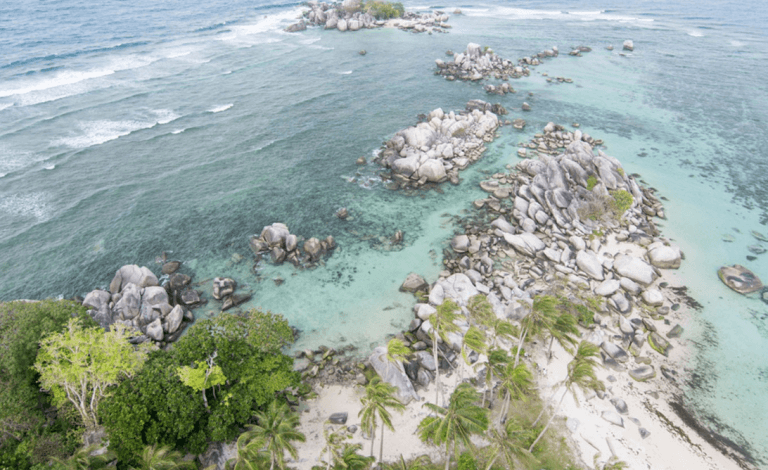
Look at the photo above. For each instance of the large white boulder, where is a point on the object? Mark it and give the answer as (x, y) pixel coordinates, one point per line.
(132, 274)
(526, 243)
(393, 374)
(634, 268)
(459, 288)
(663, 256)
(590, 264)
(433, 170)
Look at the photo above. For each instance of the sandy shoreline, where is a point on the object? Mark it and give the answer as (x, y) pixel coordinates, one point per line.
(670, 445)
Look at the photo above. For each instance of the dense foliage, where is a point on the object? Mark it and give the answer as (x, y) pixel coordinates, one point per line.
(384, 10)
(156, 407)
(31, 429)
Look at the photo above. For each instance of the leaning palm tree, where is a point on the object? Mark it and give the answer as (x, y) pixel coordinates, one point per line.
(564, 331)
(442, 324)
(334, 447)
(480, 311)
(162, 458)
(421, 462)
(351, 460)
(249, 453)
(500, 329)
(474, 340)
(516, 382)
(509, 444)
(277, 428)
(581, 372)
(495, 359)
(397, 352)
(83, 460)
(541, 317)
(378, 397)
(456, 423)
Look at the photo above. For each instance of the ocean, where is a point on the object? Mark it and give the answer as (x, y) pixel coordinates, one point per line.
(132, 129)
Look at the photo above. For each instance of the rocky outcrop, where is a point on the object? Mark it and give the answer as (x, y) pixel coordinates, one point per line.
(354, 17)
(280, 245)
(478, 63)
(436, 150)
(394, 374)
(137, 301)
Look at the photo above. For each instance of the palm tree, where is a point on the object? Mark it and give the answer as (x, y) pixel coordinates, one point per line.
(351, 460)
(83, 460)
(397, 352)
(500, 329)
(335, 446)
(378, 397)
(162, 458)
(517, 383)
(509, 444)
(563, 330)
(249, 453)
(581, 372)
(277, 428)
(442, 324)
(474, 340)
(421, 462)
(542, 316)
(496, 357)
(455, 424)
(480, 310)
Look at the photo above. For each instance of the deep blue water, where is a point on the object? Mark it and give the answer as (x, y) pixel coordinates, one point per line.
(132, 128)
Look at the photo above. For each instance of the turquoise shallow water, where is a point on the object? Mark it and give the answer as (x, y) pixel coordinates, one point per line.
(128, 131)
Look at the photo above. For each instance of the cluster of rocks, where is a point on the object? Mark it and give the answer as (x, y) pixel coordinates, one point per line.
(281, 245)
(224, 291)
(349, 16)
(578, 50)
(135, 299)
(502, 89)
(532, 240)
(553, 140)
(477, 63)
(557, 79)
(329, 366)
(435, 151)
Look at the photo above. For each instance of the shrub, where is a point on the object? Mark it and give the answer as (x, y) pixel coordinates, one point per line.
(384, 10)
(622, 200)
(591, 182)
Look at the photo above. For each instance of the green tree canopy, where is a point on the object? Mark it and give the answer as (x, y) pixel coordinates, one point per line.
(155, 407)
(81, 364)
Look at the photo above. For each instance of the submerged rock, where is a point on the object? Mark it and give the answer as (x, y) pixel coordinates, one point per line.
(739, 278)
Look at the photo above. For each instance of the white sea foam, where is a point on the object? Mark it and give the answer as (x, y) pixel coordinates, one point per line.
(5, 106)
(164, 116)
(178, 131)
(2, 175)
(696, 34)
(531, 14)
(26, 205)
(99, 132)
(220, 108)
(310, 40)
(70, 77)
(348, 72)
(737, 44)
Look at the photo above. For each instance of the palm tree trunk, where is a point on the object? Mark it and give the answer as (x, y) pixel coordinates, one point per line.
(272, 461)
(523, 332)
(447, 457)
(541, 413)
(381, 446)
(551, 340)
(437, 368)
(551, 418)
(493, 461)
(373, 434)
